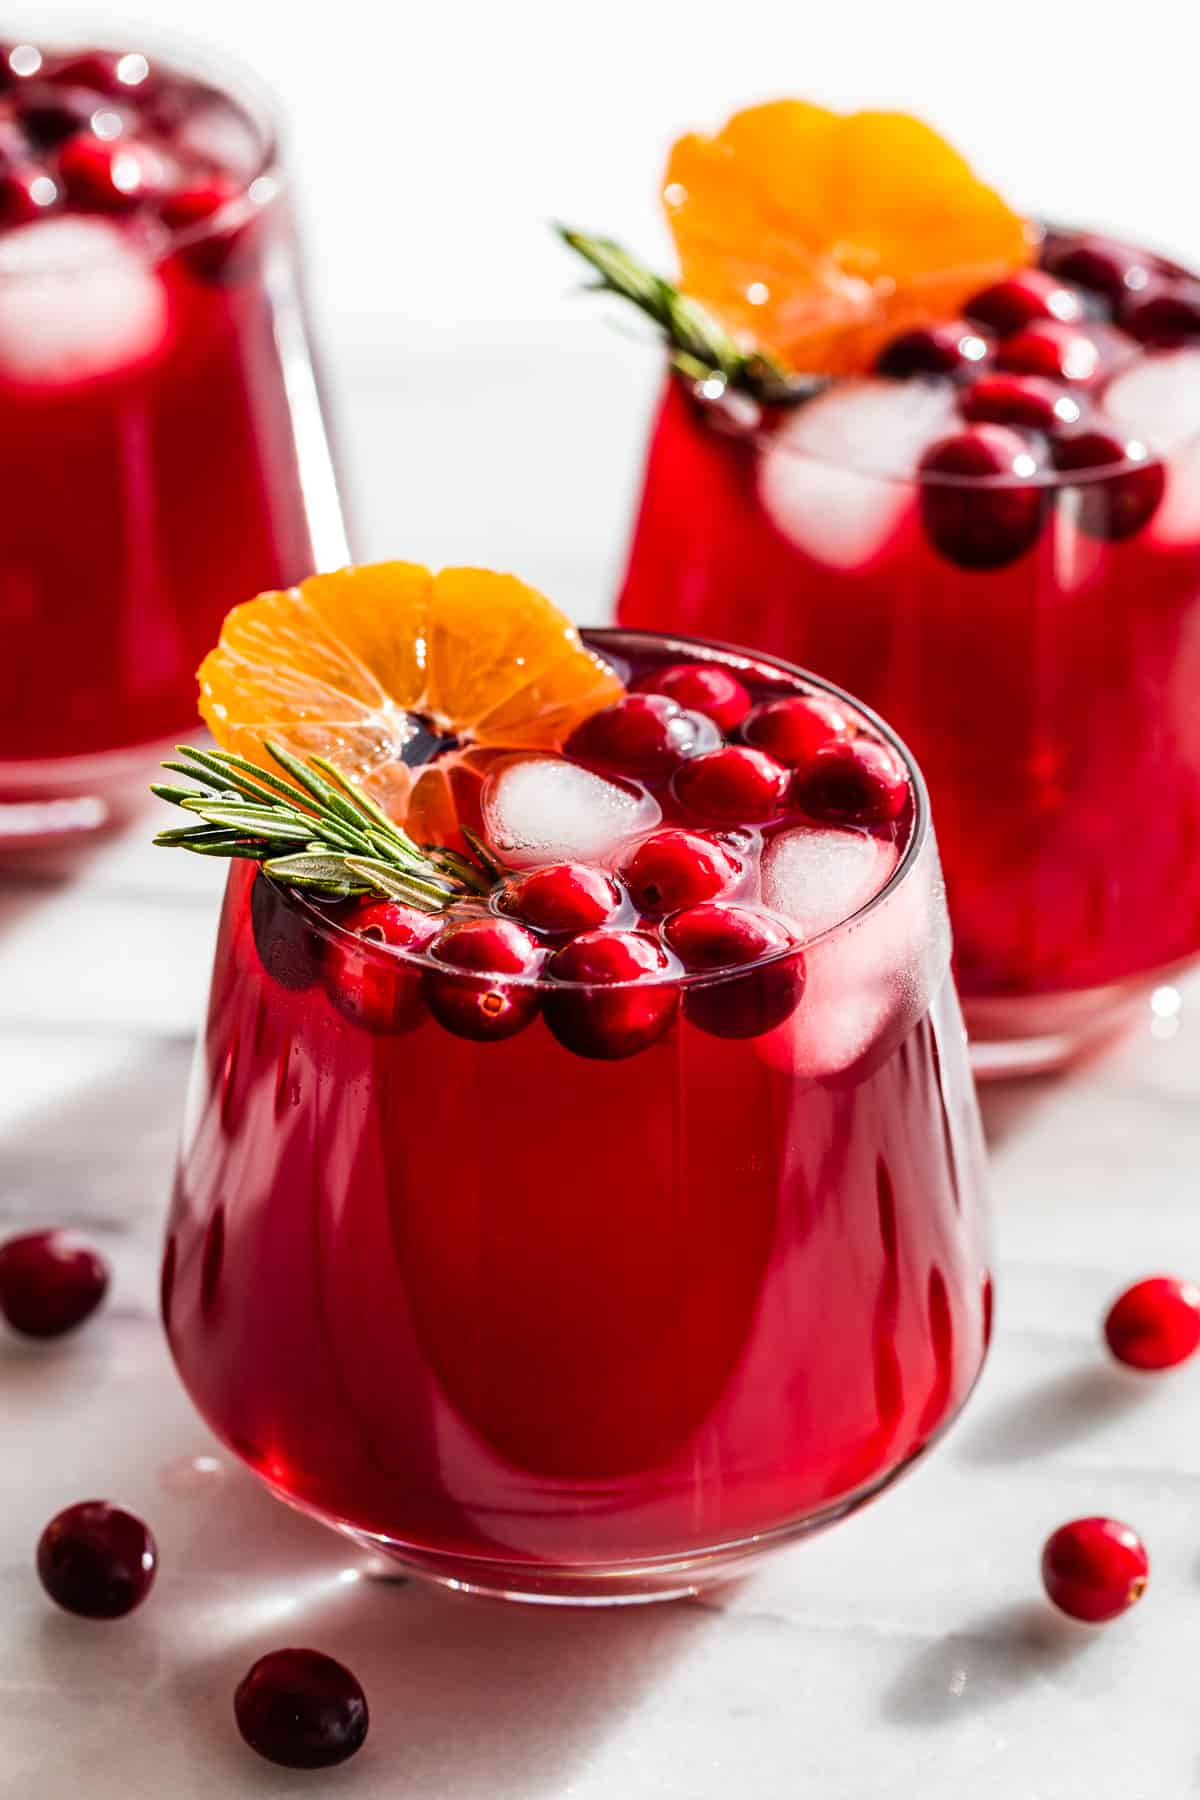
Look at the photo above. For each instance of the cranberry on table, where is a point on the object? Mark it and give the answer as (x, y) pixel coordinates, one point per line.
(1094, 1569)
(705, 688)
(1049, 348)
(735, 785)
(301, 1709)
(623, 995)
(1165, 315)
(379, 992)
(856, 783)
(103, 175)
(562, 898)
(678, 868)
(951, 348)
(792, 730)
(979, 504)
(1155, 1324)
(50, 1282)
(472, 999)
(1019, 300)
(712, 938)
(1024, 400)
(643, 735)
(1118, 504)
(97, 1560)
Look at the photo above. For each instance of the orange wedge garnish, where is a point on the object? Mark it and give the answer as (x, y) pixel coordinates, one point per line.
(352, 666)
(822, 235)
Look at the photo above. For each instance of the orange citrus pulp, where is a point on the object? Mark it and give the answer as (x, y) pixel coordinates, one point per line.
(351, 665)
(822, 235)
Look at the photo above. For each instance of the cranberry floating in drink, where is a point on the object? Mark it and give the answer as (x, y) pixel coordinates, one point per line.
(584, 1189)
(960, 474)
(162, 452)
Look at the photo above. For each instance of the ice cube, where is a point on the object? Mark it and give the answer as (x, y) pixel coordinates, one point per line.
(76, 301)
(816, 878)
(836, 477)
(543, 809)
(223, 135)
(868, 985)
(1158, 400)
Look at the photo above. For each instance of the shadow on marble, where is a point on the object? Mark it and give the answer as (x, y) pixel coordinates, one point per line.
(1041, 1419)
(993, 1659)
(1007, 1106)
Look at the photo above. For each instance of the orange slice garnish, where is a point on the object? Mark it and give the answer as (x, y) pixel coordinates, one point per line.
(822, 235)
(353, 666)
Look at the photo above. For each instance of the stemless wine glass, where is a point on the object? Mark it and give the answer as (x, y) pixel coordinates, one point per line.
(555, 1327)
(162, 448)
(996, 542)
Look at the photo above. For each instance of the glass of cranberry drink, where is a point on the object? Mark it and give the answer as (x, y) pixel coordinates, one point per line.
(586, 1238)
(989, 527)
(162, 451)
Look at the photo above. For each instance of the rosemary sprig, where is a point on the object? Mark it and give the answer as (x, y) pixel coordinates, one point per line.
(312, 828)
(701, 347)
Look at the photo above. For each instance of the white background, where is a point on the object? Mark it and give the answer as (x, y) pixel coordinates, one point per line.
(483, 404)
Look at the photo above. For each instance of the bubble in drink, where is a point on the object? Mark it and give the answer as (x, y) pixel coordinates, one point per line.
(544, 810)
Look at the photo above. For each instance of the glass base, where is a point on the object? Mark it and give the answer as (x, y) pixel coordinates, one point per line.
(73, 799)
(635, 1583)
(1034, 1034)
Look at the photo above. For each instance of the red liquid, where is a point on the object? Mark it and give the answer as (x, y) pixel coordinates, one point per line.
(499, 1301)
(149, 467)
(1051, 702)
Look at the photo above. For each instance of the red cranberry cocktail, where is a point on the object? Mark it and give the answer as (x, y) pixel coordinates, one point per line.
(581, 1240)
(161, 453)
(995, 539)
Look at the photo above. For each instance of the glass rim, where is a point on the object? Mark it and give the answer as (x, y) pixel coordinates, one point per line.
(760, 439)
(226, 75)
(738, 658)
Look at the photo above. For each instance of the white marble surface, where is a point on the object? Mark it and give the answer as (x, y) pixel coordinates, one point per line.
(907, 1652)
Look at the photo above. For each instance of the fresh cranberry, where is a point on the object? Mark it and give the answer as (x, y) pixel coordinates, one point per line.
(301, 1709)
(947, 349)
(1094, 1569)
(643, 735)
(1165, 315)
(288, 946)
(104, 176)
(372, 989)
(50, 115)
(50, 1282)
(704, 688)
(1097, 264)
(96, 1560)
(1116, 505)
(1019, 400)
(735, 785)
(1052, 349)
(678, 868)
(856, 783)
(26, 193)
(978, 503)
(563, 898)
(624, 997)
(112, 73)
(710, 938)
(476, 1003)
(1155, 1324)
(794, 729)
(190, 206)
(1015, 302)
